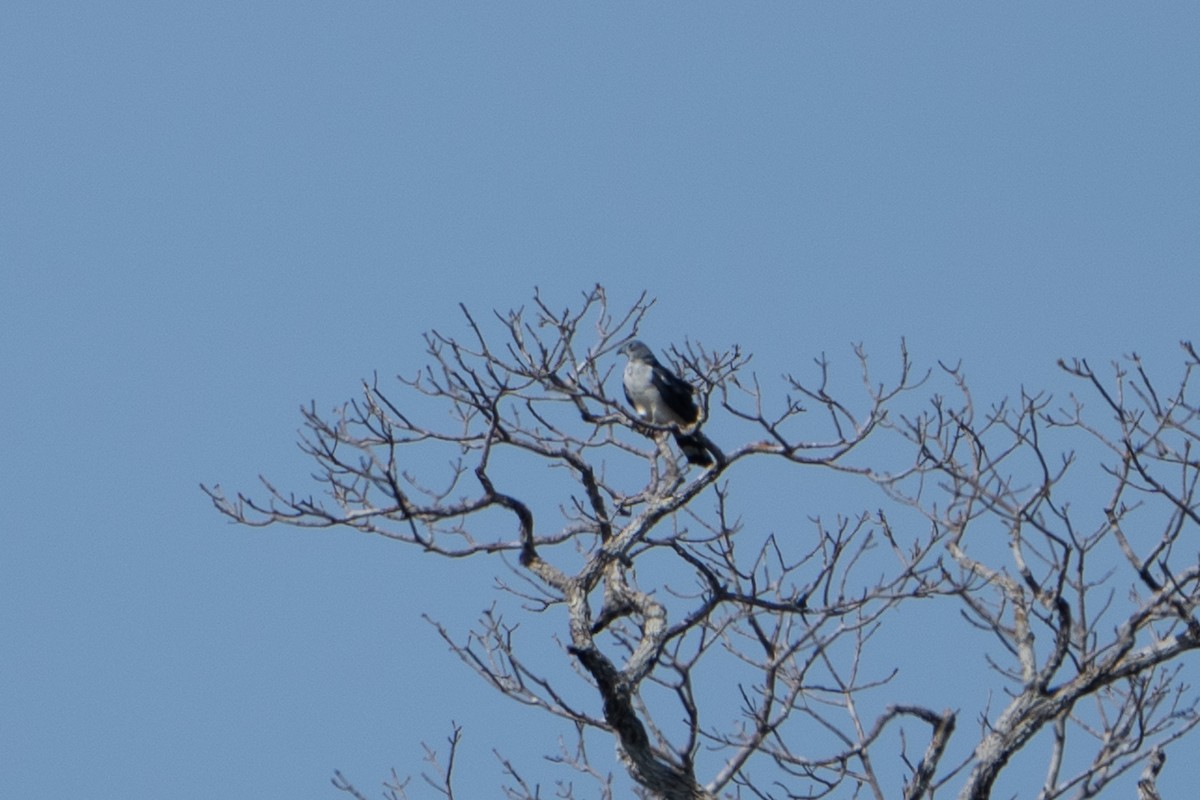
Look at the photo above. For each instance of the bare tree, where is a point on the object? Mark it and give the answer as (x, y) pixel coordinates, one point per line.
(671, 605)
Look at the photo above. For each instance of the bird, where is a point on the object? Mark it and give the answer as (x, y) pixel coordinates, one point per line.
(661, 397)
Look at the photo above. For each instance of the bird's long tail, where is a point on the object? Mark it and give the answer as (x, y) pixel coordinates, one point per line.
(693, 449)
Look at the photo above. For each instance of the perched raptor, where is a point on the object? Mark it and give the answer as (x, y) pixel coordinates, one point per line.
(661, 397)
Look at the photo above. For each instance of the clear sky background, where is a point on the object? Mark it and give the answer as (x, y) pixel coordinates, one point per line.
(212, 213)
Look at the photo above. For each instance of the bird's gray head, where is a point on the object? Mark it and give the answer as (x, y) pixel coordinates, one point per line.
(636, 350)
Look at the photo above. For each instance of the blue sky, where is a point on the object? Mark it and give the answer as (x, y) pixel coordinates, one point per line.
(214, 213)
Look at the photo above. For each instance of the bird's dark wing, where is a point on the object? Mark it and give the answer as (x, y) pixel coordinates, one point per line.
(676, 393)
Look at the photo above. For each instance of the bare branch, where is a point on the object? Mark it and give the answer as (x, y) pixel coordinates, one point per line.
(702, 644)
